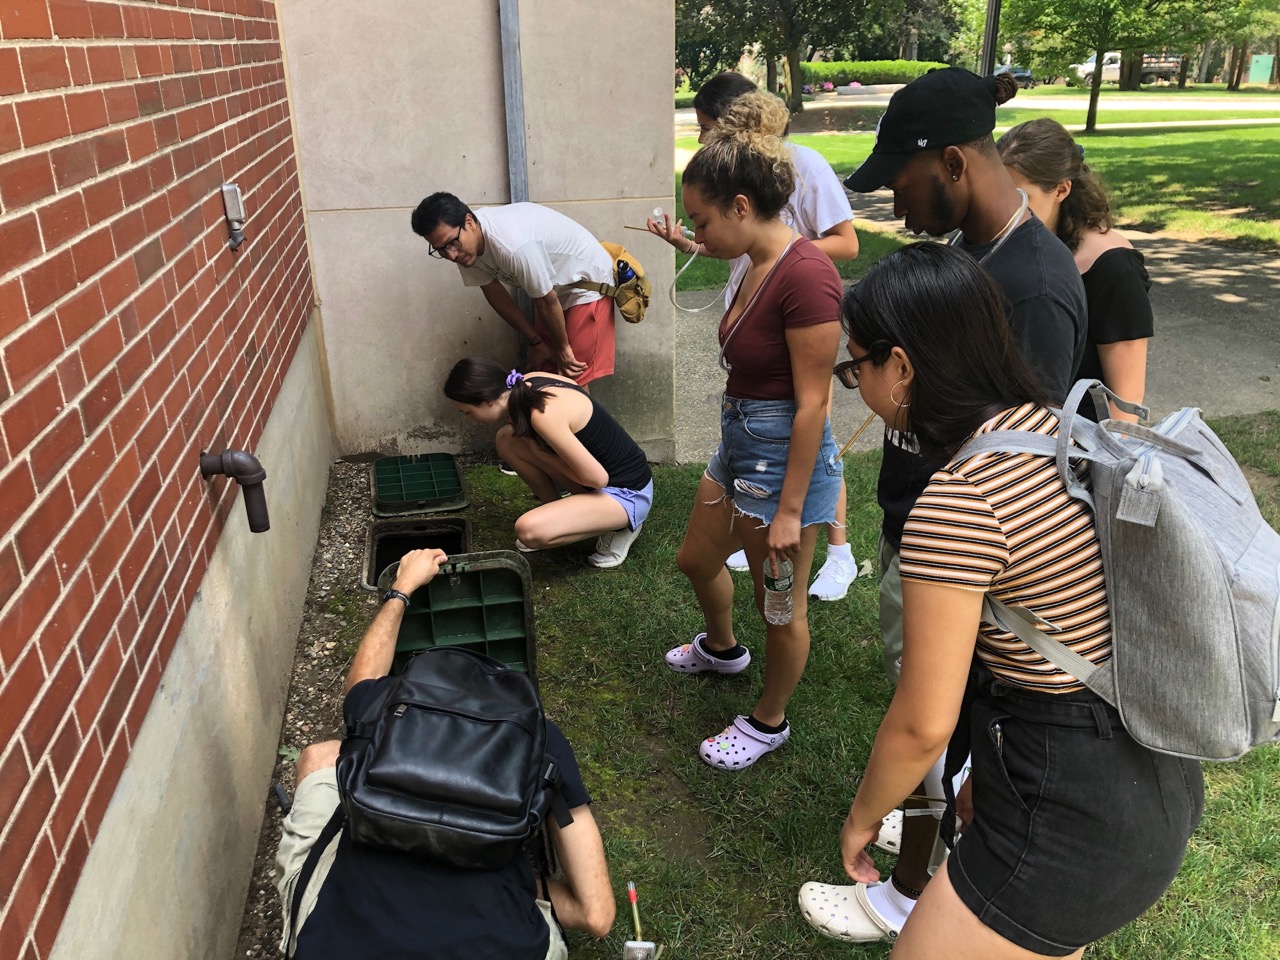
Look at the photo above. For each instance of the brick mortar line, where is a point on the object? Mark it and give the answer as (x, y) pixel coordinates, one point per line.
(132, 166)
(48, 146)
(133, 393)
(140, 666)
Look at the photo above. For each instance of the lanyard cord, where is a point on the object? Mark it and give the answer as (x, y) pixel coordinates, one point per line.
(1004, 234)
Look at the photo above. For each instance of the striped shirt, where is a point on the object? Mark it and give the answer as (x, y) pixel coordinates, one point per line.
(1003, 523)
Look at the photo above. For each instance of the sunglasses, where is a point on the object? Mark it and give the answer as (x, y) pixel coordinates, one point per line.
(847, 372)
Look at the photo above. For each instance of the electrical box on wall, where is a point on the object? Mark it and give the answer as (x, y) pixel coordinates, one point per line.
(233, 204)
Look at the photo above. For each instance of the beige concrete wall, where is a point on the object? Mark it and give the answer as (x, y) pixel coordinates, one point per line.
(406, 99)
(170, 866)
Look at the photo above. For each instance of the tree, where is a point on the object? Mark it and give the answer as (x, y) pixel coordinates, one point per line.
(786, 29)
(1103, 25)
(709, 38)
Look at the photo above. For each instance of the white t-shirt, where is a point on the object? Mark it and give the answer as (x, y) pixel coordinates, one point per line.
(817, 204)
(536, 249)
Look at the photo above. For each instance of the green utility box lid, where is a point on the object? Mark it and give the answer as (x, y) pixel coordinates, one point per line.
(481, 601)
(424, 483)
(389, 540)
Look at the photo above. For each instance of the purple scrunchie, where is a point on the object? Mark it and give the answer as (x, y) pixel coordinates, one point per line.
(512, 377)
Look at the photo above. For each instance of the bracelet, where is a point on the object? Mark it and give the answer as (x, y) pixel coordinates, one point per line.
(394, 594)
(692, 250)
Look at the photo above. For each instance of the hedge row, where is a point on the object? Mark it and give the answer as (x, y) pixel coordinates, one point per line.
(866, 72)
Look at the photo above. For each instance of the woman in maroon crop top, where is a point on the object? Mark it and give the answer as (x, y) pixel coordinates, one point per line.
(775, 478)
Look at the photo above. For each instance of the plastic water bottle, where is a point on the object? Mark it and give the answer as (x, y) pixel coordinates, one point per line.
(777, 592)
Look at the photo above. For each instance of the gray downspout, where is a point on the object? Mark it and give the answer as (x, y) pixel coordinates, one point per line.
(513, 104)
(513, 100)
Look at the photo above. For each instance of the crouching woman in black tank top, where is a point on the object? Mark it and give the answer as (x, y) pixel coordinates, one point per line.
(560, 441)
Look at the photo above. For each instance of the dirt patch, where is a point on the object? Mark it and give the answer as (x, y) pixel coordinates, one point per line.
(1264, 485)
(837, 118)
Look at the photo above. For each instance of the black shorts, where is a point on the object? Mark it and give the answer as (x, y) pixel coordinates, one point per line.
(1077, 829)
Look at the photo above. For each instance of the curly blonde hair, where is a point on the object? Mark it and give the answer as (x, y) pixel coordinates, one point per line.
(745, 154)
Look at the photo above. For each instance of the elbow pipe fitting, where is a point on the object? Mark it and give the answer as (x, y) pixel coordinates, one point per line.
(246, 470)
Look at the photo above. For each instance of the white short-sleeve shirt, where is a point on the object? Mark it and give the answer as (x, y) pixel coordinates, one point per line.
(538, 250)
(817, 204)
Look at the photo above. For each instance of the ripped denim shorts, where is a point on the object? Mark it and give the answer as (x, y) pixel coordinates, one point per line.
(751, 461)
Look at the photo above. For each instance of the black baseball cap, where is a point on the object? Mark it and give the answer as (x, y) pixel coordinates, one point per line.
(940, 109)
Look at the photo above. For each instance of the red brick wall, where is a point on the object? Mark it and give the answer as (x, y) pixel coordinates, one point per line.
(130, 338)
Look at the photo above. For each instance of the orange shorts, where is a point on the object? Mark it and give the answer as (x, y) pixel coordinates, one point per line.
(589, 327)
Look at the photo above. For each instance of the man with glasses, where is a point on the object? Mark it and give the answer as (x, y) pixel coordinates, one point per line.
(543, 253)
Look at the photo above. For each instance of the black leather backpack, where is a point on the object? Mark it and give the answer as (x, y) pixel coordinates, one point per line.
(450, 763)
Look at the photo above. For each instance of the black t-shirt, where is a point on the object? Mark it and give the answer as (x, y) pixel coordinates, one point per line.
(383, 905)
(1119, 309)
(1048, 311)
(1049, 318)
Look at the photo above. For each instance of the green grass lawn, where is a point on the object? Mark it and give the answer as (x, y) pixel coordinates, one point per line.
(1201, 184)
(1111, 90)
(718, 857)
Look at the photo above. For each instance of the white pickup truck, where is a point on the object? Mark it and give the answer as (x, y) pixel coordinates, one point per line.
(1154, 68)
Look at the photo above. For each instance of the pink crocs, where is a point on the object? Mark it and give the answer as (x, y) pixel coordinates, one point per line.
(693, 658)
(739, 745)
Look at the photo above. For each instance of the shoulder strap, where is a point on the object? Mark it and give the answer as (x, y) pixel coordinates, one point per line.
(607, 289)
(308, 868)
(1029, 627)
(535, 381)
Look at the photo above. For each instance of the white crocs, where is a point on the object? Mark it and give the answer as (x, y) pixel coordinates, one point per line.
(890, 839)
(739, 745)
(693, 658)
(844, 912)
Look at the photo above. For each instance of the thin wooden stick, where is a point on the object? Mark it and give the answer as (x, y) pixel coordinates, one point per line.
(865, 423)
(627, 226)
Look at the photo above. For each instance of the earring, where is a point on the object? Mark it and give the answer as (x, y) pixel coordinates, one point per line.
(894, 400)
(955, 177)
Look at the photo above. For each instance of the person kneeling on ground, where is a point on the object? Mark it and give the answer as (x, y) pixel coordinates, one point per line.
(560, 441)
(369, 902)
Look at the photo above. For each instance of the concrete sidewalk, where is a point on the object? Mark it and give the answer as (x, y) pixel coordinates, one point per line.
(1217, 342)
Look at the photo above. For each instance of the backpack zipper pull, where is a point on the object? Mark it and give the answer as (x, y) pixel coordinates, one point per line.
(399, 711)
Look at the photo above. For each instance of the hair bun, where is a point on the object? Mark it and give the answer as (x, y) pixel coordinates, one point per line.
(1006, 88)
(753, 116)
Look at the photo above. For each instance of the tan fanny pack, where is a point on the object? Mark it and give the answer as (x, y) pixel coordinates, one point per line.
(631, 295)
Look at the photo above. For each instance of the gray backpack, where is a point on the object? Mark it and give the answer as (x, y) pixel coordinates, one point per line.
(1192, 573)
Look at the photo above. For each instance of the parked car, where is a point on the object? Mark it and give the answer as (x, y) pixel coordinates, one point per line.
(1021, 74)
(1154, 67)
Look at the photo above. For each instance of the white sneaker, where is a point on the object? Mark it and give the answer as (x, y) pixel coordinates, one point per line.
(832, 581)
(738, 561)
(612, 548)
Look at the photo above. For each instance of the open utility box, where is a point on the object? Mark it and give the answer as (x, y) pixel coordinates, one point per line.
(481, 601)
(424, 483)
(389, 540)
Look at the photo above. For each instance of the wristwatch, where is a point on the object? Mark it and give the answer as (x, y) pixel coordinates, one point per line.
(394, 594)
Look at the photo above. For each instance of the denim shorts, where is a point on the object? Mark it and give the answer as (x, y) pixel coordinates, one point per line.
(1077, 829)
(636, 502)
(751, 461)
